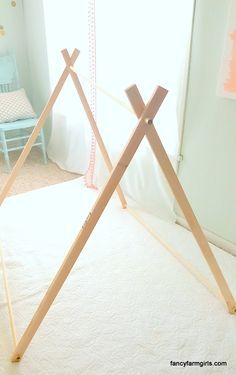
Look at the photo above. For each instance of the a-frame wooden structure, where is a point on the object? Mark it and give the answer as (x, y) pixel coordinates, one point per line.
(69, 70)
(145, 127)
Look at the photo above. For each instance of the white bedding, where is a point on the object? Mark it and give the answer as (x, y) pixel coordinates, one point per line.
(128, 306)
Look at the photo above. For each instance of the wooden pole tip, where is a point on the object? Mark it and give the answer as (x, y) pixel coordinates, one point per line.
(131, 89)
(15, 358)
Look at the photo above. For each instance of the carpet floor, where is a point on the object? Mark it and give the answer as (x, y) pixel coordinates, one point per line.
(34, 173)
(128, 306)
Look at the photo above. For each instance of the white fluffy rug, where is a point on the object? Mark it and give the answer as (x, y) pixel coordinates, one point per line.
(128, 306)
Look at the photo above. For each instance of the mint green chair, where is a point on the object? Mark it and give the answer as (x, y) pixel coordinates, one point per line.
(14, 135)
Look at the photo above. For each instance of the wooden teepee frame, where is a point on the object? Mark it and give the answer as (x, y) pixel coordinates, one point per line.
(145, 127)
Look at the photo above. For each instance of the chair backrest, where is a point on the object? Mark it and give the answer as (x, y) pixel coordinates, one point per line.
(9, 79)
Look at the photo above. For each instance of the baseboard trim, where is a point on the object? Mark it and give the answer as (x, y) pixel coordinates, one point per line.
(211, 237)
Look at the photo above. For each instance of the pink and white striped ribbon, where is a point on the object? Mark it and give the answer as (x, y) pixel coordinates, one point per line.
(90, 174)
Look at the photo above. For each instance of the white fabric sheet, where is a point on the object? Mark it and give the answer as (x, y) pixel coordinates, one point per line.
(143, 182)
(126, 53)
(127, 307)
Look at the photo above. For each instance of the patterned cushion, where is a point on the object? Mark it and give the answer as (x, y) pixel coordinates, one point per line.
(15, 106)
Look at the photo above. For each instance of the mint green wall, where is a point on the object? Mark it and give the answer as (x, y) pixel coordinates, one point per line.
(33, 14)
(14, 40)
(25, 37)
(208, 170)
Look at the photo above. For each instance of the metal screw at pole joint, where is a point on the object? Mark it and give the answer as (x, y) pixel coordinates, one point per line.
(149, 121)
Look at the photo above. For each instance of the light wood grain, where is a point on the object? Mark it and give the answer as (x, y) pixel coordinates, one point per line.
(181, 198)
(91, 221)
(92, 121)
(178, 256)
(40, 123)
(8, 299)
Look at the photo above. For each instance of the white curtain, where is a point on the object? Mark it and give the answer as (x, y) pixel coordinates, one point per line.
(142, 42)
(67, 27)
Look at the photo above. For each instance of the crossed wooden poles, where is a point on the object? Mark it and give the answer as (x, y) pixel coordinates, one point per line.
(145, 127)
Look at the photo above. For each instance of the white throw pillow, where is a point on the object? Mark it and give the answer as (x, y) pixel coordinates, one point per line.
(15, 106)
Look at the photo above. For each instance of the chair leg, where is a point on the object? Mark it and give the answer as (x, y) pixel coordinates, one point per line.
(5, 151)
(43, 146)
(22, 133)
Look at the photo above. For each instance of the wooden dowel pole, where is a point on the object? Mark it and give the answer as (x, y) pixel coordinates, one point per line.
(183, 203)
(36, 130)
(104, 91)
(89, 224)
(8, 299)
(181, 198)
(92, 122)
(185, 263)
